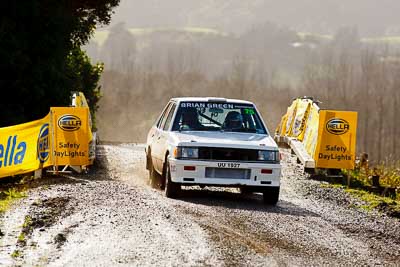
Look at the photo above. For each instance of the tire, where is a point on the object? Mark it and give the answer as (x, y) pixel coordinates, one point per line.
(271, 195)
(245, 191)
(154, 177)
(172, 189)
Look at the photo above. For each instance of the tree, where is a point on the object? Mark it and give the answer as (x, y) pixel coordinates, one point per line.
(119, 49)
(40, 57)
(84, 76)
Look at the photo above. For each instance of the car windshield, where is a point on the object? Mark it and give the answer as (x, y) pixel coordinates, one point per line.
(214, 116)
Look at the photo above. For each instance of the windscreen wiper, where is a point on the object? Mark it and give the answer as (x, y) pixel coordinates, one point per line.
(210, 119)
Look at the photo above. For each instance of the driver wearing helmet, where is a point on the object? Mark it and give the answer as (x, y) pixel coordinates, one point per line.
(233, 120)
(190, 120)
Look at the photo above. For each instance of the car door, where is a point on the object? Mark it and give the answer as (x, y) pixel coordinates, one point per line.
(156, 149)
(164, 134)
(152, 135)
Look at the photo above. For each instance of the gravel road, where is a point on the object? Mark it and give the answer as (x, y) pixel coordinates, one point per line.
(111, 216)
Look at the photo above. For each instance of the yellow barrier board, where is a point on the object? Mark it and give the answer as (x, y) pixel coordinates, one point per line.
(25, 147)
(291, 113)
(71, 135)
(281, 127)
(336, 147)
(300, 118)
(80, 100)
(311, 133)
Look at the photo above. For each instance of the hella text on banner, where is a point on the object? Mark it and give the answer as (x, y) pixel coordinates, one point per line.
(25, 147)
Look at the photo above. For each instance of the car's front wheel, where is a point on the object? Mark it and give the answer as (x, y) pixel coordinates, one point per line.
(154, 177)
(271, 195)
(245, 191)
(172, 189)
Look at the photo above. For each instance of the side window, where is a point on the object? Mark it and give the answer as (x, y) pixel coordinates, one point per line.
(162, 117)
(169, 118)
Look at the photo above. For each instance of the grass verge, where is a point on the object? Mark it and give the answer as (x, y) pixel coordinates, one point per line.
(383, 196)
(16, 254)
(373, 201)
(8, 196)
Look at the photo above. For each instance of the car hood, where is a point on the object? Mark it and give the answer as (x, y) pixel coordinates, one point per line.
(223, 139)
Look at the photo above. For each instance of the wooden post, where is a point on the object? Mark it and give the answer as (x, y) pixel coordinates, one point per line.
(38, 174)
(375, 178)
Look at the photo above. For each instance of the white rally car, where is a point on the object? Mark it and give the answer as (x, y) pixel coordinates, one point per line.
(213, 142)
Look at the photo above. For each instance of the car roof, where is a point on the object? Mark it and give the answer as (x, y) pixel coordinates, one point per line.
(210, 99)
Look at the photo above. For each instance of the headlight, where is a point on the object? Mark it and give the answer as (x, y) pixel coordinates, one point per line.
(266, 155)
(188, 152)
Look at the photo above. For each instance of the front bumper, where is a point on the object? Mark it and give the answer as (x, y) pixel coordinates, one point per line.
(198, 176)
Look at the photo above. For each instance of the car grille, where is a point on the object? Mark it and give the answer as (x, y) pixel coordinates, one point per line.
(228, 154)
(227, 173)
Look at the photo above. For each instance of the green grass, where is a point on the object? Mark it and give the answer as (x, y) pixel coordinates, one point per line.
(21, 237)
(16, 254)
(326, 185)
(13, 193)
(27, 222)
(8, 197)
(361, 187)
(389, 174)
(373, 201)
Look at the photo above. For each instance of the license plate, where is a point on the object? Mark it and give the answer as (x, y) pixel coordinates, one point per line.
(227, 173)
(228, 165)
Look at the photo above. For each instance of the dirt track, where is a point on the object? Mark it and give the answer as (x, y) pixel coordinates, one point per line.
(113, 217)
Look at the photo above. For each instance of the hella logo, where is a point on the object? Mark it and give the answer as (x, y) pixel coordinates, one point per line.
(337, 126)
(69, 123)
(43, 143)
